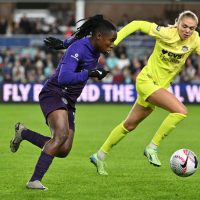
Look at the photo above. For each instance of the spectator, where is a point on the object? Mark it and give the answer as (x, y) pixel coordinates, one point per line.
(117, 75)
(18, 72)
(127, 75)
(188, 73)
(135, 68)
(196, 79)
(112, 61)
(31, 75)
(25, 25)
(7, 72)
(123, 61)
(49, 69)
(3, 25)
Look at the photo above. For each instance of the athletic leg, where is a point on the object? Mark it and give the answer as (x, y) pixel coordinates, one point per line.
(65, 149)
(58, 124)
(67, 146)
(164, 99)
(137, 114)
(22, 133)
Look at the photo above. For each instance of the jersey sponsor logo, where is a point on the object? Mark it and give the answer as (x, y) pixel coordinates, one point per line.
(75, 56)
(158, 28)
(168, 56)
(184, 48)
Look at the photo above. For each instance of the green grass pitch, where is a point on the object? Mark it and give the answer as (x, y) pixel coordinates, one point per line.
(131, 177)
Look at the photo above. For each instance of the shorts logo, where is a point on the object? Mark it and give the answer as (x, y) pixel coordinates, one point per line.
(64, 100)
(184, 48)
(75, 56)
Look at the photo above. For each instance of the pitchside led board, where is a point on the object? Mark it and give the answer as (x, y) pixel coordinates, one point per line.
(96, 93)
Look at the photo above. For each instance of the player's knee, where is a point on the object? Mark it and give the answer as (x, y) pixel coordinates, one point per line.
(129, 126)
(60, 139)
(64, 152)
(183, 110)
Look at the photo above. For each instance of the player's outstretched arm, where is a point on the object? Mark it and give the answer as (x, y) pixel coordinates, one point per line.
(54, 43)
(132, 27)
(57, 44)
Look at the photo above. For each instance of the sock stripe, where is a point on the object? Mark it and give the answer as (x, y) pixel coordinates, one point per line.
(179, 114)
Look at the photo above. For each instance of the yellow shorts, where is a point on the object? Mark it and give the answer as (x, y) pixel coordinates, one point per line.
(145, 86)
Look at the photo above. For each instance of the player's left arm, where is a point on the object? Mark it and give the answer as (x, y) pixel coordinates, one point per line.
(57, 44)
(68, 71)
(69, 64)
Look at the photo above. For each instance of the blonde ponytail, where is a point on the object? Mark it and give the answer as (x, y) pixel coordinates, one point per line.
(186, 13)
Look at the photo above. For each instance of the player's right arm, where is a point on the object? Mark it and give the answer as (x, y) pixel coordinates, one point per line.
(132, 27)
(152, 29)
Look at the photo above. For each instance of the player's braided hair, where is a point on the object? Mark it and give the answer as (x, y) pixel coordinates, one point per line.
(92, 25)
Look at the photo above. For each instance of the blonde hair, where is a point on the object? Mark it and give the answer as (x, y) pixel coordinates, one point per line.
(186, 13)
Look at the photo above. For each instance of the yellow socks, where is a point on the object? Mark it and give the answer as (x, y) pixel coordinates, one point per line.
(117, 134)
(167, 126)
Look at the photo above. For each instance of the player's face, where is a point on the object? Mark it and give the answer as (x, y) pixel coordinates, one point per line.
(186, 27)
(105, 42)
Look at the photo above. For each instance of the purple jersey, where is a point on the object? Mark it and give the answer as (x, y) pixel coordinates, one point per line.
(71, 74)
(67, 42)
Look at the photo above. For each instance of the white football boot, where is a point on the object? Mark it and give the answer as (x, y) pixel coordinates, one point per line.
(35, 185)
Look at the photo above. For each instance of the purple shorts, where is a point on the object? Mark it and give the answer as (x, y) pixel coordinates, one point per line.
(51, 101)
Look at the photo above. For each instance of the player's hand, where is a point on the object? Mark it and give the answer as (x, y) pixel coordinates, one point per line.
(54, 43)
(99, 73)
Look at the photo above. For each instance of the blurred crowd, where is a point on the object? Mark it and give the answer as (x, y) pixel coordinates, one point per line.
(35, 64)
(36, 26)
(66, 27)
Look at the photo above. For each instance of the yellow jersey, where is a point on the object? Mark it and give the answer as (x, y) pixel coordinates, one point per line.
(170, 52)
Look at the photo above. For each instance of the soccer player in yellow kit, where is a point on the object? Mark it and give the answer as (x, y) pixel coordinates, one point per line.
(172, 47)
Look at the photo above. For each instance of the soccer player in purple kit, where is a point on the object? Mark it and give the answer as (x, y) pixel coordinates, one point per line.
(60, 92)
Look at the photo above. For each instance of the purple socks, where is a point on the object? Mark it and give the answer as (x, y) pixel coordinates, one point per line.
(34, 138)
(42, 166)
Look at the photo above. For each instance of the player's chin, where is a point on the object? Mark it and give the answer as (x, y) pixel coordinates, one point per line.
(185, 36)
